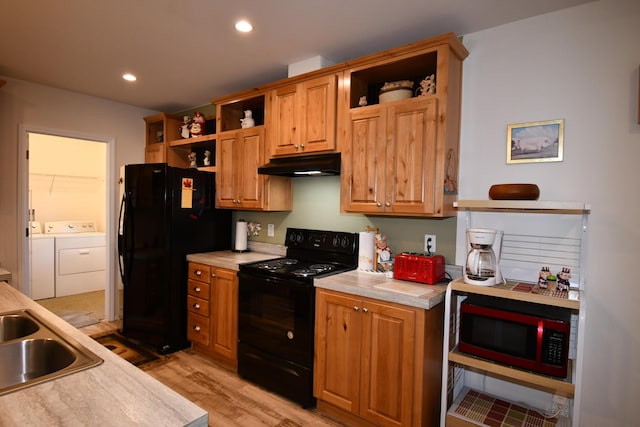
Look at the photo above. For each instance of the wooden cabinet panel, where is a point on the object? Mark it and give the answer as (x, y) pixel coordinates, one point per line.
(238, 184)
(199, 272)
(411, 154)
(224, 313)
(338, 341)
(388, 346)
(197, 329)
(303, 117)
(370, 360)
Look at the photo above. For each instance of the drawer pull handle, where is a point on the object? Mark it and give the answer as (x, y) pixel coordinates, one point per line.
(365, 310)
(197, 289)
(356, 308)
(196, 306)
(198, 273)
(196, 328)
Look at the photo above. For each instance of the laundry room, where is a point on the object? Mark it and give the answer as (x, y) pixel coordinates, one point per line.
(67, 207)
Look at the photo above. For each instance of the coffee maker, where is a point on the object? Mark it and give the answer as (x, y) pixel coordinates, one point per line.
(482, 268)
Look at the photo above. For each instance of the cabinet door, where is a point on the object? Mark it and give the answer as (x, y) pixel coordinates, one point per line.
(388, 364)
(411, 157)
(224, 313)
(250, 155)
(226, 187)
(284, 137)
(318, 119)
(363, 177)
(337, 353)
(154, 153)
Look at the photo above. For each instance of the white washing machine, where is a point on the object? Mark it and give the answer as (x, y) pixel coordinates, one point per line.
(80, 256)
(42, 273)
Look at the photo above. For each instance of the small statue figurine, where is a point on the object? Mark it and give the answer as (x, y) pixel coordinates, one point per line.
(192, 160)
(563, 279)
(427, 86)
(184, 128)
(207, 158)
(197, 126)
(362, 101)
(248, 121)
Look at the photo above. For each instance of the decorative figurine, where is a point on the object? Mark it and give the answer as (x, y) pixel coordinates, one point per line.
(192, 160)
(362, 101)
(563, 279)
(542, 278)
(207, 158)
(248, 121)
(427, 86)
(197, 126)
(184, 129)
(160, 136)
(382, 249)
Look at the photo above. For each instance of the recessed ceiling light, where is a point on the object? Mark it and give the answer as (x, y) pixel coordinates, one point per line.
(129, 77)
(244, 26)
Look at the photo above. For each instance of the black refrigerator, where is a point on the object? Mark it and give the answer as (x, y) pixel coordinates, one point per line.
(166, 213)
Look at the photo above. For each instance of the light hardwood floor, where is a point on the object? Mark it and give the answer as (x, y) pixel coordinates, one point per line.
(229, 400)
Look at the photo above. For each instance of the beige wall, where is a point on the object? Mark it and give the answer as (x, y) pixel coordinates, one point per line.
(581, 65)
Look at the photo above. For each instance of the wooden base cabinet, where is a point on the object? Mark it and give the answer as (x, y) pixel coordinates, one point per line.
(212, 317)
(377, 363)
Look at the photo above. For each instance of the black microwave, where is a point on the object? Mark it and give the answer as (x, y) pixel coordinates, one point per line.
(521, 334)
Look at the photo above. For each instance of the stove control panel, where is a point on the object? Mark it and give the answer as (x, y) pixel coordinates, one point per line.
(325, 241)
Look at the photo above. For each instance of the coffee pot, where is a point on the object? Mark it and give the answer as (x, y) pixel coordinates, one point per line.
(484, 245)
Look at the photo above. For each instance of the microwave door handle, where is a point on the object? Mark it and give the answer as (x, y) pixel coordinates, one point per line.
(539, 339)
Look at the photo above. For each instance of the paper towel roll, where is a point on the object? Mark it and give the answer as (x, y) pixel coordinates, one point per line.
(366, 251)
(241, 236)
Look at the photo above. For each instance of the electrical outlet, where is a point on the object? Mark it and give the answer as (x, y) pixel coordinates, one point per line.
(270, 230)
(429, 243)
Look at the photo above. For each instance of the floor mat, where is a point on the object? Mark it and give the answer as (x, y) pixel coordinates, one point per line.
(79, 319)
(131, 352)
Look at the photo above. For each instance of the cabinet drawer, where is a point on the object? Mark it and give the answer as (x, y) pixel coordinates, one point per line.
(201, 272)
(198, 305)
(197, 328)
(198, 289)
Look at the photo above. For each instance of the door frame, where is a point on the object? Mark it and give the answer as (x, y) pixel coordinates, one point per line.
(111, 302)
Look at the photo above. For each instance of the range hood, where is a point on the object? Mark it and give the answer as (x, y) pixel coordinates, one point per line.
(314, 165)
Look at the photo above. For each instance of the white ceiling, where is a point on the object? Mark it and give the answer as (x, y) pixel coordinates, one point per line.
(187, 52)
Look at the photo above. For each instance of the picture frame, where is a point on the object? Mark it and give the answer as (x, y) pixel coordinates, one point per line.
(534, 142)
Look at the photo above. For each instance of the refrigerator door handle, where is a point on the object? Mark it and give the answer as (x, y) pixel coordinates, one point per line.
(122, 250)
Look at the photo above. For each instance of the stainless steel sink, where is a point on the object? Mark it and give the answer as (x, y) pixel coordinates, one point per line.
(33, 351)
(14, 326)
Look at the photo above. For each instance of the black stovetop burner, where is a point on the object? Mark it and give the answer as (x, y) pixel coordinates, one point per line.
(311, 253)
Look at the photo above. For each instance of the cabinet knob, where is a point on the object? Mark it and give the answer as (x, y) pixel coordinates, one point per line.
(387, 204)
(196, 306)
(365, 310)
(295, 146)
(196, 328)
(378, 204)
(302, 146)
(356, 308)
(198, 273)
(197, 289)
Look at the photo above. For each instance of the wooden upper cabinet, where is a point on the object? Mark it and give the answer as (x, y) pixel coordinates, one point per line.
(401, 157)
(303, 117)
(238, 184)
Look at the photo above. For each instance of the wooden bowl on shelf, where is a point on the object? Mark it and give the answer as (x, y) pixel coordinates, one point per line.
(514, 192)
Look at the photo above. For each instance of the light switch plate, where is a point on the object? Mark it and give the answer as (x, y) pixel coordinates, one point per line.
(271, 232)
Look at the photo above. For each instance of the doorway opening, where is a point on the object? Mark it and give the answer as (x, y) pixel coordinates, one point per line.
(66, 180)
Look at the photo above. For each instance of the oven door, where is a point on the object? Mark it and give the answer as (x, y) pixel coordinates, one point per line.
(276, 316)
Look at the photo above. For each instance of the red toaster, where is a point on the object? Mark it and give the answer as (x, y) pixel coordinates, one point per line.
(420, 268)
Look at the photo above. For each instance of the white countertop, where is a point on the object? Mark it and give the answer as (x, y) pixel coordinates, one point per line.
(115, 393)
(378, 286)
(362, 283)
(231, 260)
